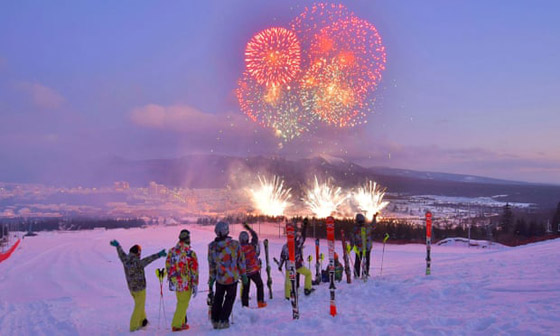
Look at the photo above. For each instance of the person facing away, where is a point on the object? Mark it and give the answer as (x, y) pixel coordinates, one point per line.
(226, 265)
(136, 280)
(182, 273)
(251, 252)
(362, 232)
(299, 265)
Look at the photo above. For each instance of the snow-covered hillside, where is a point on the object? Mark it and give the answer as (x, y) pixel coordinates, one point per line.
(73, 283)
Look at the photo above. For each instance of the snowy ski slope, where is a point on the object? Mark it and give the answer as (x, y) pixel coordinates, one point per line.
(72, 283)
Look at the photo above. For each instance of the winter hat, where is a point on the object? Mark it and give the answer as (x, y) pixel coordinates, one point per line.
(136, 249)
(243, 237)
(221, 229)
(360, 219)
(185, 236)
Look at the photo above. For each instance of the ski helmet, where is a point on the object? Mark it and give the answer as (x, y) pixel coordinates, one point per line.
(221, 229)
(360, 219)
(243, 237)
(185, 236)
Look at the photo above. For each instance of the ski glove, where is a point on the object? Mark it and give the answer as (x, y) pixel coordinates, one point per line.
(194, 291)
(246, 226)
(245, 280)
(114, 243)
(162, 253)
(280, 268)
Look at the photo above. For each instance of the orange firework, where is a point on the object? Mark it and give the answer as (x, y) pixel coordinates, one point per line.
(273, 56)
(277, 107)
(333, 94)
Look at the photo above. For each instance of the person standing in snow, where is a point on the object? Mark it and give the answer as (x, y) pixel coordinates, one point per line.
(226, 265)
(357, 242)
(300, 268)
(251, 252)
(136, 280)
(182, 273)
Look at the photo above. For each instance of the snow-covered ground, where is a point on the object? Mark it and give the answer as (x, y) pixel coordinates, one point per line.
(70, 283)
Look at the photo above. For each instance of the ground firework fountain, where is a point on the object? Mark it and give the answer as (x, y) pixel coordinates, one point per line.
(271, 198)
(369, 199)
(323, 199)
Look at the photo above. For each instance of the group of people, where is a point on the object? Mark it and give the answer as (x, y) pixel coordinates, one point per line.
(229, 262)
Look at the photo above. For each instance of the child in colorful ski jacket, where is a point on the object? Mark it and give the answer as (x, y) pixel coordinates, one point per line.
(136, 280)
(226, 265)
(251, 252)
(362, 230)
(182, 273)
(299, 265)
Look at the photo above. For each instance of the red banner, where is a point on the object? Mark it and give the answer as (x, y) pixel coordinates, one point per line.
(7, 254)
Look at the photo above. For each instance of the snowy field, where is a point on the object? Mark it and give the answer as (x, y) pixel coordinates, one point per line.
(72, 283)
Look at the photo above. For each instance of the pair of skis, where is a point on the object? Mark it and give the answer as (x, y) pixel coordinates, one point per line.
(428, 242)
(290, 233)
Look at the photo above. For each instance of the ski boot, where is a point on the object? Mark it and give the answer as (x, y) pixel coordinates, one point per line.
(309, 291)
(261, 304)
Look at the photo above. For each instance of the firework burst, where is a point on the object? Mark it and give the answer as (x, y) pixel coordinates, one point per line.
(369, 199)
(332, 94)
(271, 198)
(356, 46)
(323, 199)
(277, 107)
(273, 56)
(323, 70)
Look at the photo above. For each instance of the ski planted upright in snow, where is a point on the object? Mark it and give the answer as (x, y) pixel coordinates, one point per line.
(428, 242)
(346, 261)
(317, 265)
(268, 277)
(330, 238)
(290, 233)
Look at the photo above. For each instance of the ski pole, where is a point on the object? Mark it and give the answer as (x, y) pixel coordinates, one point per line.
(383, 253)
(160, 273)
(309, 258)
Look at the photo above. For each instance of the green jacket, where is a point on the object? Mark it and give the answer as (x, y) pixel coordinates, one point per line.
(134, 269)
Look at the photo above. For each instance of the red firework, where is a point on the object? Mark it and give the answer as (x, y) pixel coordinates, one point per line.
(273, 56)
(356, 45)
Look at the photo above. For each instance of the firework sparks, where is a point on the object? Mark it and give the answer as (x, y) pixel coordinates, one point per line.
(277, 107)
(272, 56)
(356, 46)
(271, 197)
(369, 199)
(324, 69)
(323, 199)
(330, 93)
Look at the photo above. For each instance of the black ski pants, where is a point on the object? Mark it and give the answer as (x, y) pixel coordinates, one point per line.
(256, 278)
(359, 261)
(221, 308)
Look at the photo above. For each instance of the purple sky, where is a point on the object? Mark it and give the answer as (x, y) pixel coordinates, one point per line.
(471, 86)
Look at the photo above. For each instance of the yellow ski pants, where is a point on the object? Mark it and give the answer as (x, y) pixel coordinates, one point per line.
(183, 299)
(139, 312)
(288, 285)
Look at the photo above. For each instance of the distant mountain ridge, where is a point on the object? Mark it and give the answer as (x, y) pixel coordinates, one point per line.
(220, 171)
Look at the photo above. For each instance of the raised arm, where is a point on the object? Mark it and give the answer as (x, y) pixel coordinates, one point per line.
(146, 261)
(304, 231)
(254, 237)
